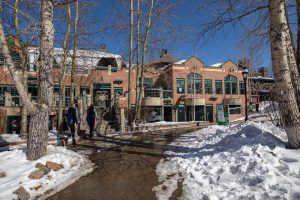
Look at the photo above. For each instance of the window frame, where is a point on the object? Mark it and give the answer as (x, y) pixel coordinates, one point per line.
(180, 80)
(206, 89)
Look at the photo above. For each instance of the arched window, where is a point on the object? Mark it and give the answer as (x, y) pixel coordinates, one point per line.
(196, 79)
(230, 84)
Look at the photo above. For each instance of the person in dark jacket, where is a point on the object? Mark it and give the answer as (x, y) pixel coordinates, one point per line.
(91, 119)
(71, 120)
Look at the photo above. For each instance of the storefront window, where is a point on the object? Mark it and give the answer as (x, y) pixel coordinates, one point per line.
(84, 88)
(234, 109)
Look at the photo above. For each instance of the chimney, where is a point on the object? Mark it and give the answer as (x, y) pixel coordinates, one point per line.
(103, 48)
(164, 52)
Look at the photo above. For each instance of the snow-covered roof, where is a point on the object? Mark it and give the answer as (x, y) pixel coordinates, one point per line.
(216, 65)
(179, 62)
(84, 58)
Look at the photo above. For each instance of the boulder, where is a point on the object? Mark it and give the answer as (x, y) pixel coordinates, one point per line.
(36, 174)
(54, 166)
(22, 193)
(2, 174)
(42, 168)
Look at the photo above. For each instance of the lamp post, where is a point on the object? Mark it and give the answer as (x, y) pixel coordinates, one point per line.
(245, 73)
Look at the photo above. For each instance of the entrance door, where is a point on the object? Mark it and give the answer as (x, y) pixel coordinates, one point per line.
(209, 113)
(102, 94)
(168, 113)
(180, 114)
(200, 114)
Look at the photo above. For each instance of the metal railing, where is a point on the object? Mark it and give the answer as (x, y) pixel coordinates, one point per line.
(152, 92)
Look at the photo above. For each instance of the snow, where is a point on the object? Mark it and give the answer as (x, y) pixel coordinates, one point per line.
(216, 65)
(17, 169)
(244, 161)
(179, 62)
(12, 138)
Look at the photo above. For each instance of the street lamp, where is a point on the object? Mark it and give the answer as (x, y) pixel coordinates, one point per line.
(245, 73)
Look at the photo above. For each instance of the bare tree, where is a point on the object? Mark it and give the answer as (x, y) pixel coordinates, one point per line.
(286, 74)
(63, 67)
(282, 61)
(130, 62)
(74, 64)
(141, 76)
(39, 112)
(24, 67)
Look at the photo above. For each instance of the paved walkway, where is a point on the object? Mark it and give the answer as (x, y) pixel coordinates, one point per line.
(126, 167)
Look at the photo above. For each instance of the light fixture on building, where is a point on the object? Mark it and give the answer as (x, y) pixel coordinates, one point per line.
(245, 73)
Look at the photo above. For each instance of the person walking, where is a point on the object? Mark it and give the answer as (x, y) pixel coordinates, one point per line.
(71, 120)
(91, 119)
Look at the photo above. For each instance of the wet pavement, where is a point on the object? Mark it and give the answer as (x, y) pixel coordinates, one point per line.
(125, 167)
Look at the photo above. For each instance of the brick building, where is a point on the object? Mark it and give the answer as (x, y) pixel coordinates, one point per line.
(174, 91)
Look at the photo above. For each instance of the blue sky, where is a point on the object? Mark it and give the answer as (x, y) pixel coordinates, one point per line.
(186, 20)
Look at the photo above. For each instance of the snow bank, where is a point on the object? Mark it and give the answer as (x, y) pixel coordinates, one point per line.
(246, 161)
(17, 169)
(266, 107)
(4, 138)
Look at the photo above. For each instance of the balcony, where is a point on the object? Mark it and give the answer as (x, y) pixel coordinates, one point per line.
(152, 97)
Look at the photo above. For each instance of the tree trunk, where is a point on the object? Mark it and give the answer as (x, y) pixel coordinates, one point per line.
(38, 130)
(137, 60)
(61, 104)
(298, 35)
(24, 68)
(129, 117)
(145, 41)
(292, 59)
(38, 134)
(74, 64)
(279, 36)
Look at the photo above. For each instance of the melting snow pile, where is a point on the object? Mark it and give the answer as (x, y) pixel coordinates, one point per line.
(246, 161)
(17, 169)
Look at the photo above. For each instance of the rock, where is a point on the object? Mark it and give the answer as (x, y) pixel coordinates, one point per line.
(2, 174)
(36, 187)
(54, 166)
(42, 168)
(36, 174)
(22, 193)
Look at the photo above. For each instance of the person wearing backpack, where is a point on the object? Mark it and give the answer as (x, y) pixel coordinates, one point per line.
(71, 120)
(91, 119)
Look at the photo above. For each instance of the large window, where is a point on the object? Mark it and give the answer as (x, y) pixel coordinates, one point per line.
(85, 89)
(194, 79)
(148, 82)
(208, 86)
(234, 109)
(219, 87)
(230, 85)
(1, 59)
(180, 85)
(242, 87)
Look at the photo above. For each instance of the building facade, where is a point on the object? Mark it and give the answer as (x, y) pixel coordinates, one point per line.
(185, 90)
